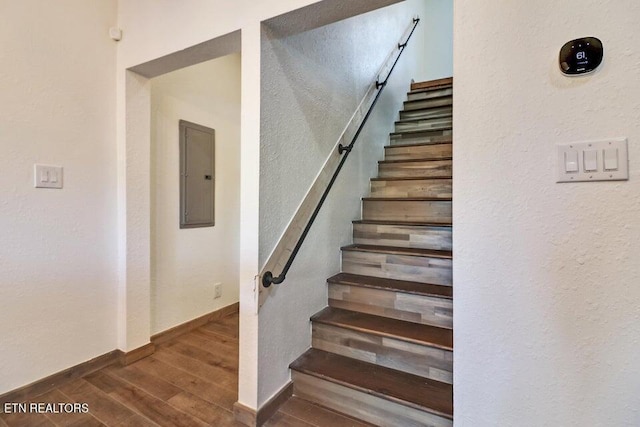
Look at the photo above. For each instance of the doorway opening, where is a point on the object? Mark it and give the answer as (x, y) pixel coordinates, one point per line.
(194, 270)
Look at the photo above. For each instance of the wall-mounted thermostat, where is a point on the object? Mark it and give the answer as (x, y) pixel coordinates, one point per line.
(581, 56)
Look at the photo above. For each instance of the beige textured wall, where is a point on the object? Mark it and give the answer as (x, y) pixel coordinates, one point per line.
(58, 271)
(546, 275)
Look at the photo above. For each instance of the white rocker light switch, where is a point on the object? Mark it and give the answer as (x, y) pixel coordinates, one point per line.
(571, 161)
(590, 160)
(611, 159)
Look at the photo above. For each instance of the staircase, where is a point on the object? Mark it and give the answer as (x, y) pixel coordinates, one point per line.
(382, 351)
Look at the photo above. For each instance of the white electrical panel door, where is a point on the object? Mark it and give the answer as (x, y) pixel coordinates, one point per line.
(197, 180)
(593, 161)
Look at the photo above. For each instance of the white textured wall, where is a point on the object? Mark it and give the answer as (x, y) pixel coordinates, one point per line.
(312, 83)
(58, 251)
(546, 296)
(436, 49)
(186, 263)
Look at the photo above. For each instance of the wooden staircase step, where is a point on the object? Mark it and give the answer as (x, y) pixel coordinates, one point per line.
(427, 113)
(414, 187)
(423, 124)
(434, 237)
(431, 84)
(409, 133)
(435, 87)
(391, 328)
(414, 302)
(440, 150)
(393, 250)
(407, 199)
(445, 90)
(415, 137)
(418, 349)
(446, 139)
(418, 265)
(403, 161)
(435, 118)
(403, 223)
(410, 178)
(435, 210)
(404, 286)
(376, 394)
(415, 168)
(419, 104)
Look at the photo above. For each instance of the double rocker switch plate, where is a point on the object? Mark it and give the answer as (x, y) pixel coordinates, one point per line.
(46, 176)
(593, 161)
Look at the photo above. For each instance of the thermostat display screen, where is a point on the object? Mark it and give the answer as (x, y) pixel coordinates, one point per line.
(581, 56)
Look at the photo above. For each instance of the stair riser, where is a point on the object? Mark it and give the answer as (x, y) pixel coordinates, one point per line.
(432, 84)
(400, 267)
(429, 113)
(414, 96)
(428, 362)
(403, 236)
(407, 211)
(428, 103)
(418, 152)
(428, 124)
(395, 305)
(361, 405)
(421, 137)
(412, 188)
(424, 169)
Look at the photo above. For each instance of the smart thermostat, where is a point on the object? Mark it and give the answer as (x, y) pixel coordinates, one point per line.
(581, 56)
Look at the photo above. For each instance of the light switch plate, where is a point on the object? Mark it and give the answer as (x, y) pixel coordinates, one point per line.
(46, 176)
(591, 161)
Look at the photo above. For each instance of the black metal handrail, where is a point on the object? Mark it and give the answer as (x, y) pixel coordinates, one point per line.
(267, 278)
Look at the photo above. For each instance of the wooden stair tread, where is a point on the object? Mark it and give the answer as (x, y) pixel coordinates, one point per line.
(395, 198)
(428, 159)
(405, 286)
(418, 132)
(407, 199)
(441, 86)
(390, 384)
(418, 120)
(399, 251)
(428, 109)
(416, 333)
(416, 101)
(428, 84)
(404, 223)
(418, 144)
(410, 178)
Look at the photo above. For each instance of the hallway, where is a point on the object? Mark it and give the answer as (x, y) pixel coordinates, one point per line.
(189, 381)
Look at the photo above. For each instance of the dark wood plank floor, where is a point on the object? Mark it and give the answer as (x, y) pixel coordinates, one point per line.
(189, 381)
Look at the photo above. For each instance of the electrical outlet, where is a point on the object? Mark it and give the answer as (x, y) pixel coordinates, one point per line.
(217, 290)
